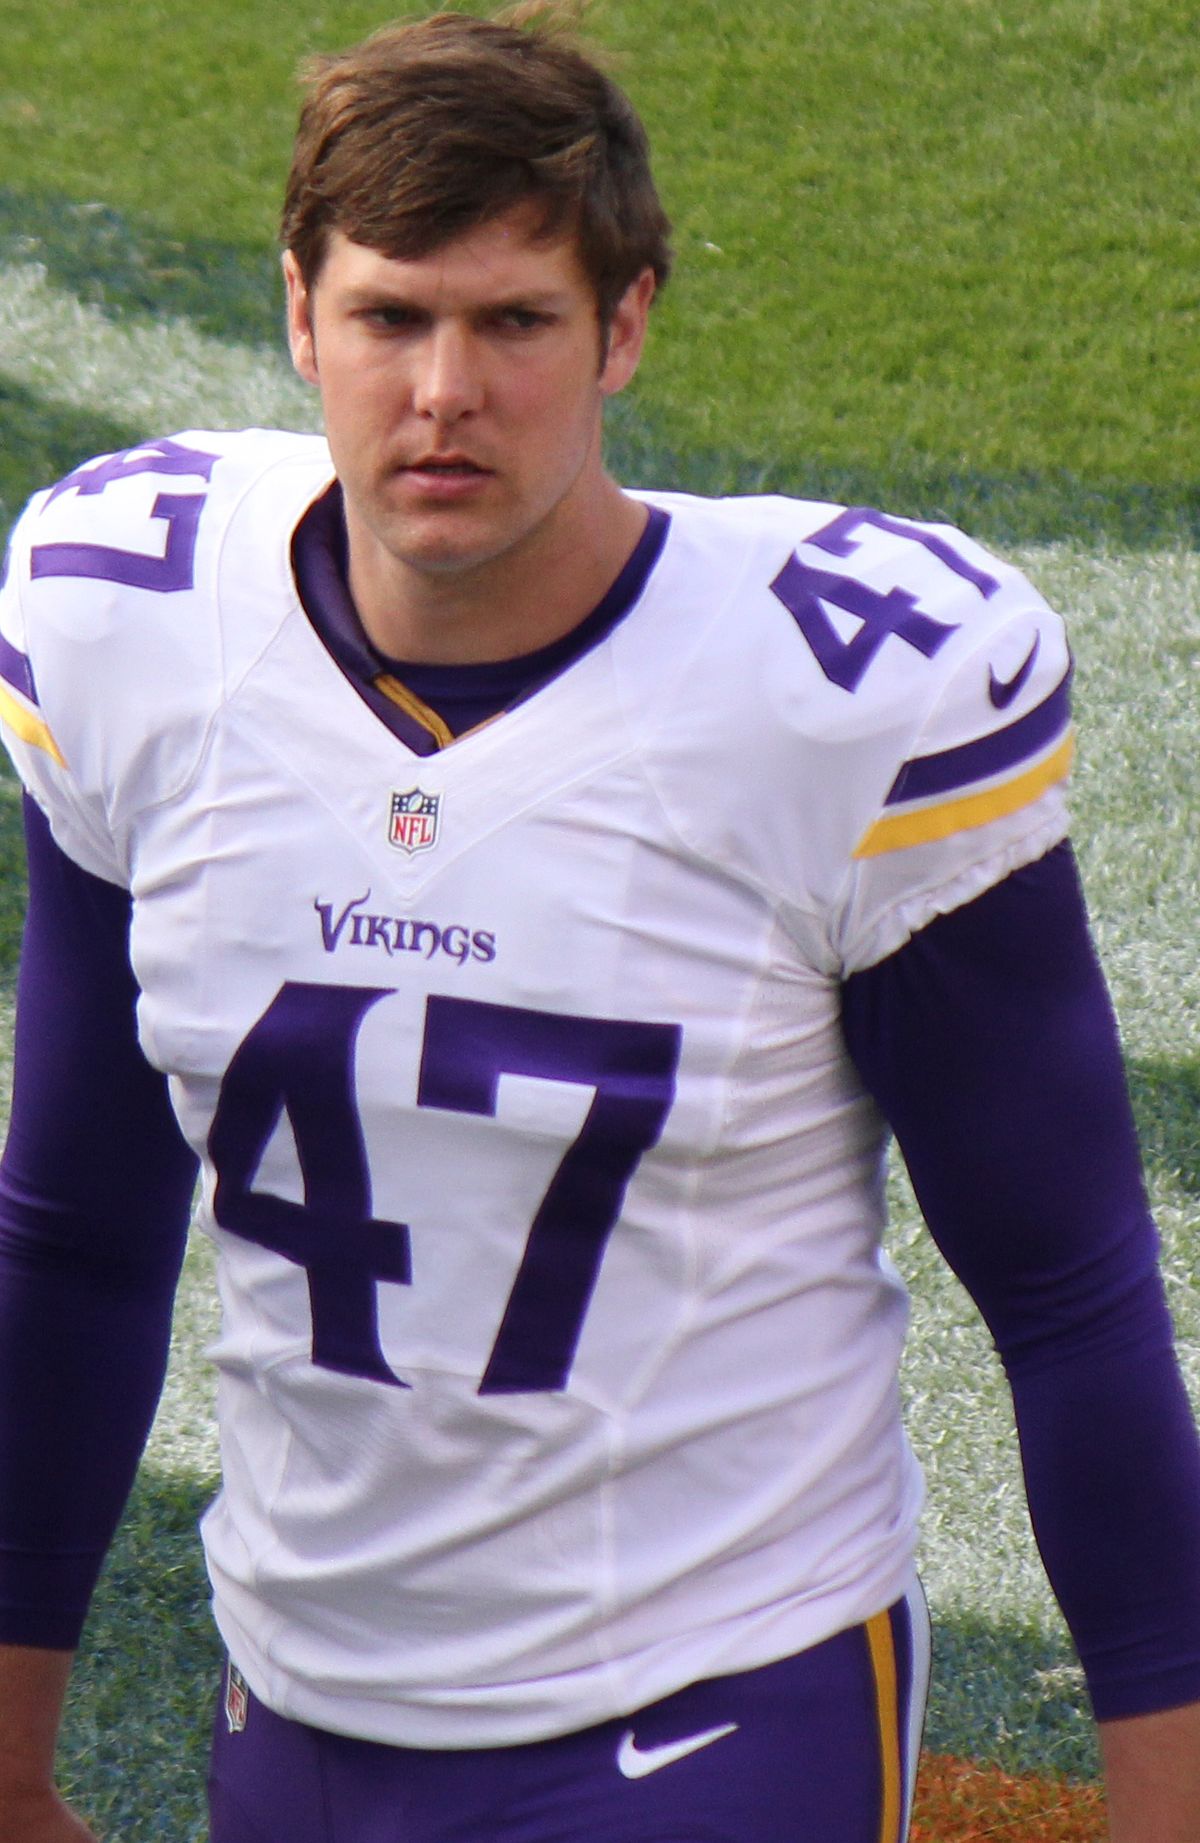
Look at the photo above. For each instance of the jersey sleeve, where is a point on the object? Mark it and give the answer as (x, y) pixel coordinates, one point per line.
(979, 790)
(38, 756)
(910, 730)
(111, 655)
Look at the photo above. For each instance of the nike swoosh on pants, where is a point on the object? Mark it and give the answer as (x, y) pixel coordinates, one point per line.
(635, 1762)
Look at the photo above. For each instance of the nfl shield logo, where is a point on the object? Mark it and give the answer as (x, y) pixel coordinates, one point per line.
(237, 1698)
(413, 822)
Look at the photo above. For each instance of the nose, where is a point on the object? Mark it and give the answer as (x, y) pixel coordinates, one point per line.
(448, 383)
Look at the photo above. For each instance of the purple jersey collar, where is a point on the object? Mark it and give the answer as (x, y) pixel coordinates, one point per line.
(462, 696)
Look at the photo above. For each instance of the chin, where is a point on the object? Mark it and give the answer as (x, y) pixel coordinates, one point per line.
(436, 559)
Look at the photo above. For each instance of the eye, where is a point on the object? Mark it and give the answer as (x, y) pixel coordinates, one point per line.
(521, 319)
(392, 317)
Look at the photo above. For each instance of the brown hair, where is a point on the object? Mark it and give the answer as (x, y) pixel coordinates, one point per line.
(427, 130)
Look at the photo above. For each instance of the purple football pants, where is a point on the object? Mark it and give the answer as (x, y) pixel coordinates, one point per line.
(818, 1748)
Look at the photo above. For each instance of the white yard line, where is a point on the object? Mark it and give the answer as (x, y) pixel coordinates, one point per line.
(152, 376)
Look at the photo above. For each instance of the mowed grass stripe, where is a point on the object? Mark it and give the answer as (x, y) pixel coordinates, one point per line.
(151, 375)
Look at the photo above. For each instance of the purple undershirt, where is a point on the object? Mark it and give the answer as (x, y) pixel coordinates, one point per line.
(987, 1040)
(95, 1192)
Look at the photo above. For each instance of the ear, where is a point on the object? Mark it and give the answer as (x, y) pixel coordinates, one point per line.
(301, 340)
(627, 334)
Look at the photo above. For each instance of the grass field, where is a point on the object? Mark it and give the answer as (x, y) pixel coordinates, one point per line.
(935, 255)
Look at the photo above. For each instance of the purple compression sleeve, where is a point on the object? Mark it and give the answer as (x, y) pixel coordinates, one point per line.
(95, 1191)
(989, 1043)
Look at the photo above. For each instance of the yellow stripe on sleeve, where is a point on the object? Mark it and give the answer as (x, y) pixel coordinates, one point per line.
(30, 728)
(896, 831)
(883, 1662)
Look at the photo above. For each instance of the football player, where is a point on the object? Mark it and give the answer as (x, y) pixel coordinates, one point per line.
(529, 903)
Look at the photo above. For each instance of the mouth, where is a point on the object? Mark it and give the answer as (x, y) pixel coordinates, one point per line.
(446, 467)
(445, 480)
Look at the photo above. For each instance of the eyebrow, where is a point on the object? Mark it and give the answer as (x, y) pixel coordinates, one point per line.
(383, 294)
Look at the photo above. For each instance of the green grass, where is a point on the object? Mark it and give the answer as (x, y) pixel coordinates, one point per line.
(942, 246)
(134, 1749)
(949, 234)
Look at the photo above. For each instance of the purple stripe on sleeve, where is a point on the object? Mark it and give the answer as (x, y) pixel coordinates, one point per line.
(16, 670)
(986, 755)
(989, 1043)
(95, 1192)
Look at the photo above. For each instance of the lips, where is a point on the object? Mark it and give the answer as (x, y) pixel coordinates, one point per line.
(445, 466)
(451, 479)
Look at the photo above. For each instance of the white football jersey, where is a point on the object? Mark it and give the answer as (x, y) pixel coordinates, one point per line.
(559, 1353)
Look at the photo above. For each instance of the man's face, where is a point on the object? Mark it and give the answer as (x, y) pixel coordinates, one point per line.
(462, 392)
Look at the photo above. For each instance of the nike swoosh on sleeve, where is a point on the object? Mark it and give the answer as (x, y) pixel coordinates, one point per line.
(1002, 691)
(635, 1762)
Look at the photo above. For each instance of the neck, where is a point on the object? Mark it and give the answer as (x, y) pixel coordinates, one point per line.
(527, 598)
